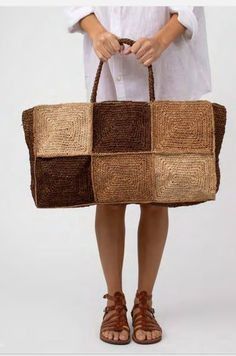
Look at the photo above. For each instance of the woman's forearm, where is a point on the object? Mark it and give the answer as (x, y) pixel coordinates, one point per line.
(170, 31)
(146, 49)
(149, 49)
(105, 43)
(91, 25)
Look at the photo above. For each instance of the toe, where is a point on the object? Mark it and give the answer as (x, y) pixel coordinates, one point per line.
(110, 335)
(140, 335)
(105, 333)
(116, 335)
(156, 334)
(149, 335)
(123, 335)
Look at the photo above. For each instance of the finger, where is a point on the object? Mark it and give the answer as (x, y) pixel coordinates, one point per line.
(100, 56)
(148, 62)
(105, 53)
(145, 57)
(142, 50)
(115, 45)
(108, 46)
(122, 48)
(136, 46)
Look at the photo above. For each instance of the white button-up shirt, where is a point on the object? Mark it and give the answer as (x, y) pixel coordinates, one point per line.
(182, 72)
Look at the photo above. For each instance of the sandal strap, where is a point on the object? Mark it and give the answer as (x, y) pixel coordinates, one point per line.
(117, 321)
(144, 319)
(118, 297)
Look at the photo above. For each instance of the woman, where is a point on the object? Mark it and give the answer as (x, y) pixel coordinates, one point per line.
(173, 40)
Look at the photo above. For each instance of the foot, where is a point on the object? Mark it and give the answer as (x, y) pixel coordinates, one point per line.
(115, 328)
(146, 328)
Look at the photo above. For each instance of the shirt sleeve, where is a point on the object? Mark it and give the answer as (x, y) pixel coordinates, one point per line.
(74, 14)
(187, 18)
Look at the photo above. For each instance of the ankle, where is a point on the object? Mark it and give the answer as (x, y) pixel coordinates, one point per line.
(137, 299)
(112, 293)
(143, 289)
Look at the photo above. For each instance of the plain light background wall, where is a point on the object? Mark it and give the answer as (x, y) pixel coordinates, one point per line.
(51, 281)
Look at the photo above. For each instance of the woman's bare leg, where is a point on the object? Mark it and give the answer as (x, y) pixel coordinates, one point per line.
(152, 234)
(110, 233)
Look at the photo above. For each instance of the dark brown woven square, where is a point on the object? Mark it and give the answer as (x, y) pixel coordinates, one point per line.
(27, 122)
(121, 126)
(63, 181)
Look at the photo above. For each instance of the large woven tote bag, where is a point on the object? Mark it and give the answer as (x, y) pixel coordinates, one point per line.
(163, 152)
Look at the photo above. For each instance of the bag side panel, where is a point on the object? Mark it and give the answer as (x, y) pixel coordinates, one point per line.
(220, 123)
(27, 121)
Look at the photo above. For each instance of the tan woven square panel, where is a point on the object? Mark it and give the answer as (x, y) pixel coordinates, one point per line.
(161, 152)
(179, 127)
(63, 130)
(125, 177)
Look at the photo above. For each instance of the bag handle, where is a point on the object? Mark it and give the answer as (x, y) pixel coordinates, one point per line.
(98, 73)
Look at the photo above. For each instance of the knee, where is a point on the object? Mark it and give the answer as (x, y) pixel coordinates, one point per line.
(153, 208)
(116, 206)
(112, 207)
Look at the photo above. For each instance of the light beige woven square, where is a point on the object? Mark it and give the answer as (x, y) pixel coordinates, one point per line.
(186, 177)
(63, 130)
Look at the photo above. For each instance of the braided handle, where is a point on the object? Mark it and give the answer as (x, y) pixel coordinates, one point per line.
(98, 73)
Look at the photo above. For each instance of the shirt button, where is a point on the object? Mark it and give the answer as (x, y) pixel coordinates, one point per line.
(118, 78)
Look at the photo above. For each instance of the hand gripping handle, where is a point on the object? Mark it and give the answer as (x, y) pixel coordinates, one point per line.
(98, 73)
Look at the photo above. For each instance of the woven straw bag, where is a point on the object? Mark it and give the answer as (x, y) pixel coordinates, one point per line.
(162, 152)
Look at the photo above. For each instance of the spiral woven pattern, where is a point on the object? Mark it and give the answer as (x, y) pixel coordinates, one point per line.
(161, 152)
(124, 177)
(174, 175)
(63, 130)
(119, 128)
(180, 127)
(63, 181)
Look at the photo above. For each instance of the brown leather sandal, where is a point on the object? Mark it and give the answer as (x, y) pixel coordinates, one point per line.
(118, 320)
(144, 319)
